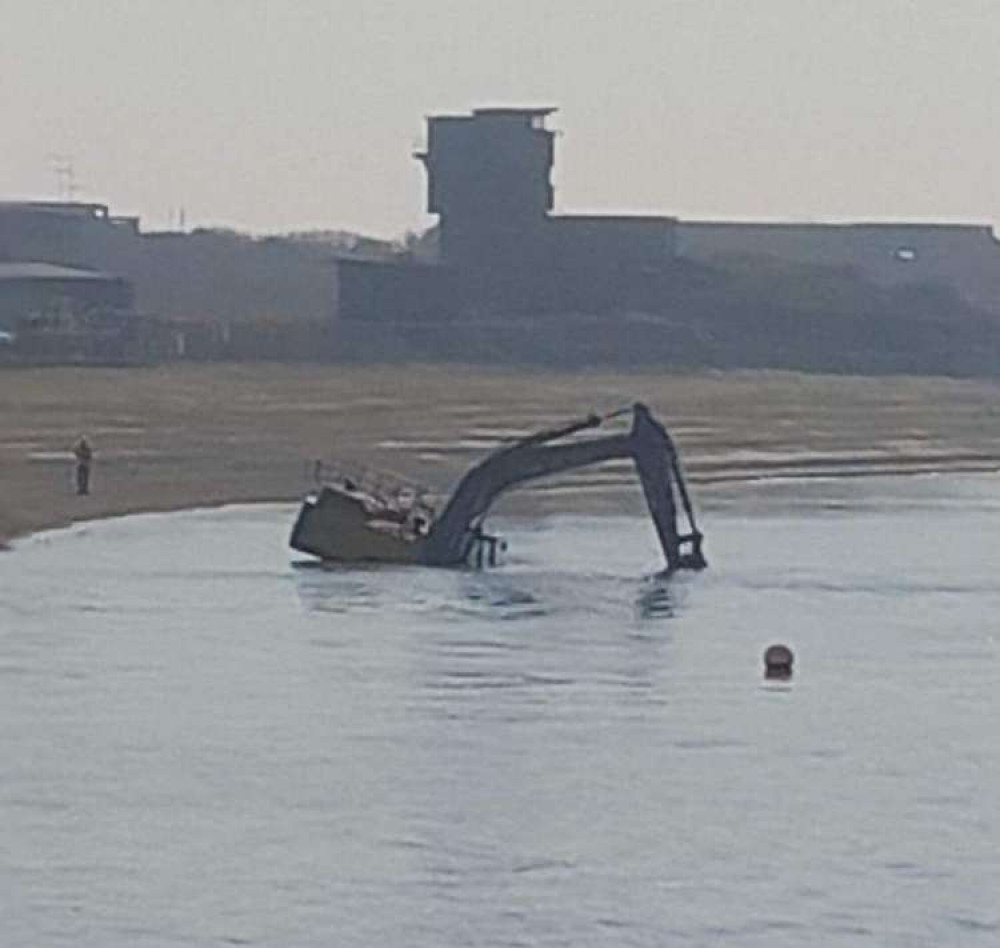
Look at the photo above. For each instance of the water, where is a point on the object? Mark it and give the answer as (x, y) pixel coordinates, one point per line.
(203, 745)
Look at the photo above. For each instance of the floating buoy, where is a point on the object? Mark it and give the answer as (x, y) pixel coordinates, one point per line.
(778, 661)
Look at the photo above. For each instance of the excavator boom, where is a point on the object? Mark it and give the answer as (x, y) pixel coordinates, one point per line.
(455, 531)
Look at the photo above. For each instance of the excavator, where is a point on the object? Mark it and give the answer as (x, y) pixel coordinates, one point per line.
(350, 521)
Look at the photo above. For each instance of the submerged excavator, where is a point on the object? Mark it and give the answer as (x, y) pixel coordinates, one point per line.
(350, 521)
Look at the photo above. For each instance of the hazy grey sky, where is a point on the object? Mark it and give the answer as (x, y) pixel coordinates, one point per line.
(287, 114)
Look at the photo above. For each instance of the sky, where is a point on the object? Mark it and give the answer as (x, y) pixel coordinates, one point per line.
(281, 115)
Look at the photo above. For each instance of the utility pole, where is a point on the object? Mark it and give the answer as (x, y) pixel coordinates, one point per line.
(65, 175)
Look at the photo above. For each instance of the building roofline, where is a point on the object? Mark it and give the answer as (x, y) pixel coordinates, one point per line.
(495, 111)
(528, 111)
(791, 223)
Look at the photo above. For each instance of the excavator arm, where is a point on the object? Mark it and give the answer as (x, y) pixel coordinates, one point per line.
(647, 444)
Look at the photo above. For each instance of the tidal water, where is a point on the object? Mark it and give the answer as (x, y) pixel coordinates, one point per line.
(204, 744)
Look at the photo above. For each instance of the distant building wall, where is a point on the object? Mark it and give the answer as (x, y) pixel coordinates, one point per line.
(204, 275)
(33, 292)
(615, 243)
(384, 292)
(79, 235)
(964, 257)
(594, 264)
(225, 277)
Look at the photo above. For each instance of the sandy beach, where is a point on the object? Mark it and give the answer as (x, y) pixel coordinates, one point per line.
(191, 435)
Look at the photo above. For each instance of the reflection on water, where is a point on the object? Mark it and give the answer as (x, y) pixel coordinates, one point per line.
(492, 594)
(656, 601)
(335, 590)
(497, 596)
(205, 744)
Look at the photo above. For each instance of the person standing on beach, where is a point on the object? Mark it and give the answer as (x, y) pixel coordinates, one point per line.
(84, 455)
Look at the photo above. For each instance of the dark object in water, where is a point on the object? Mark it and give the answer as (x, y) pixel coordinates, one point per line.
(347, 524)
(778, 662)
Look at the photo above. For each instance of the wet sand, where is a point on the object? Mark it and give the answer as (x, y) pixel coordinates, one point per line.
(187, 435)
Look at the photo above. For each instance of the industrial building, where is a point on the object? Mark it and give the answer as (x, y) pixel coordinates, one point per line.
(201, 276)
(46, 294)
(504, 275)
(962, 257)
(67, 314)
(503, 251)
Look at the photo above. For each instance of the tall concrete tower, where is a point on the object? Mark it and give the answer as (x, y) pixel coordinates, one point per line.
(489, 180)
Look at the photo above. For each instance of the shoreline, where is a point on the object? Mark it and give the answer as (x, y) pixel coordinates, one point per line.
(9, 542)
(532, 498)
(184, 436)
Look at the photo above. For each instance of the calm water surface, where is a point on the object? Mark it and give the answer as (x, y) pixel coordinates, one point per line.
(204, 745)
